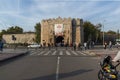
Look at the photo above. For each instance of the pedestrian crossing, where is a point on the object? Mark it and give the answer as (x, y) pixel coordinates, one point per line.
(56, 53)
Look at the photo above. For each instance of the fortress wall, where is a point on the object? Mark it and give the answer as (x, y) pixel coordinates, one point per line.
(20, 38)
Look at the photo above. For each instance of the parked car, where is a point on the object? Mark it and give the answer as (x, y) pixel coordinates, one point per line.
(34, 46)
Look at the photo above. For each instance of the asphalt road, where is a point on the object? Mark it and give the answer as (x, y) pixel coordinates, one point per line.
(55, 67)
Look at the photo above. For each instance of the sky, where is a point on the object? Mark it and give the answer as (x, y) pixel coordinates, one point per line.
(26, 13)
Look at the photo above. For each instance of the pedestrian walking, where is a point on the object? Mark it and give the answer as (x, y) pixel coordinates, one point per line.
(56, 46)
(80, 46)
(49, 46)
(110, 44)
(105, 45)
(92, 44)
(85, 45)
(117, 45)
(44, 45)
(66, 45)
(88, 45)
(74, 45)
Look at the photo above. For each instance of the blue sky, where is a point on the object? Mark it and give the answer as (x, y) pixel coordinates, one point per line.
(26, 13)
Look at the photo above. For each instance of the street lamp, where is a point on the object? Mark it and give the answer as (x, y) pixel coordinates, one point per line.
(103, 33)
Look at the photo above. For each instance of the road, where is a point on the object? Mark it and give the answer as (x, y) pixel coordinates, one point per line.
(51, 65)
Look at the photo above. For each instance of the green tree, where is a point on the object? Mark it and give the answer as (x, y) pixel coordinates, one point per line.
(111, 32)
(3, 32)
(118, 35)
(98, 33)
(91, 31)
(11, 30)
(110, 36)
(38, 32)
(14, 30)
(0, 36)
(88, 31)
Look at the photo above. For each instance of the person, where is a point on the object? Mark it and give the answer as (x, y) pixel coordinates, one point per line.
(74, 45)
(85, 45)
(44, 45)
(107, 65)
(92, 44)
(105, 45)
(117, 45)
(80, 46)
(49, 46)
(107, 60)
(66, 45)
(1, 44)
(110, 44)
(117, 57)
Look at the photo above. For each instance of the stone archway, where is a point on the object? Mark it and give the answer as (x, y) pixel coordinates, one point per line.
(59, 40)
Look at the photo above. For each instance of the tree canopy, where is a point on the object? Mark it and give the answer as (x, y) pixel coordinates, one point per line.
(91, 32)
(13, 30)
(38, 32)
(111, 32)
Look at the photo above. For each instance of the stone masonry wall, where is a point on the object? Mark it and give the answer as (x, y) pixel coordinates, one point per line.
(20, 38)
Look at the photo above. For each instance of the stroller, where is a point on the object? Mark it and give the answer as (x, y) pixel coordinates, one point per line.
(108, 71)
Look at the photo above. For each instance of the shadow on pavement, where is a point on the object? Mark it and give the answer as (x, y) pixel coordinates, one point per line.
(11, 59)
(62, 75)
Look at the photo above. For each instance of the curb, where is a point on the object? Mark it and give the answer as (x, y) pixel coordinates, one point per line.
(16, 55)
(90, 53)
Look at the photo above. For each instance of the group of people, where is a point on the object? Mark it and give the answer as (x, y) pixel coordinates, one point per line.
(74, 45)
(109, 44)
(117, 57)
(88, 45)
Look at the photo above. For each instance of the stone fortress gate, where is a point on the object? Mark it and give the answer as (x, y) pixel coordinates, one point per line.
(62, 31)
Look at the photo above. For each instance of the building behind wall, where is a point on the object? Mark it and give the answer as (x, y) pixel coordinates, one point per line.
(62, 30)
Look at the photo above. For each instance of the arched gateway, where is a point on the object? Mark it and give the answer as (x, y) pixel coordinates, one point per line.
(62, 31)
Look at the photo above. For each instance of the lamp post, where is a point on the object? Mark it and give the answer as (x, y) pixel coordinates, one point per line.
(103, 34)
(118, 34)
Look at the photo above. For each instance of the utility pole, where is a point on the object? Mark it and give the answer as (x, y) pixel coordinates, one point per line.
(118, 35)
(103, 33)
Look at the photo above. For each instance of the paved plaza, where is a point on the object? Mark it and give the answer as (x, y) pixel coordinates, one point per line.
(52, 64)
(59, 51)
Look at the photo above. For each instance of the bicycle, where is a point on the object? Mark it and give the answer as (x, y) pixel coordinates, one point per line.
(108, 71)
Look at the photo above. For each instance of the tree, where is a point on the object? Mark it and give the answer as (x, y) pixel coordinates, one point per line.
(98, 33)
(118, 36)
(110, 36)
(3, 32)
(111, 32)
(92, 32)
(0, 36)
(38, 32)
(11, 30)
(14, 30)
(89, 32)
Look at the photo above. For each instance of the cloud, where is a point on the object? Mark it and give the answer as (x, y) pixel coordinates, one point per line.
(27, 13)
(9, 6)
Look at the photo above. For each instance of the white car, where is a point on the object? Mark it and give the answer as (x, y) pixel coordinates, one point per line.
(34, 46)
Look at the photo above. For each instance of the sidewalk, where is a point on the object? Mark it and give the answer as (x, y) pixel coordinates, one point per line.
(102, 52)
(7, 54)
